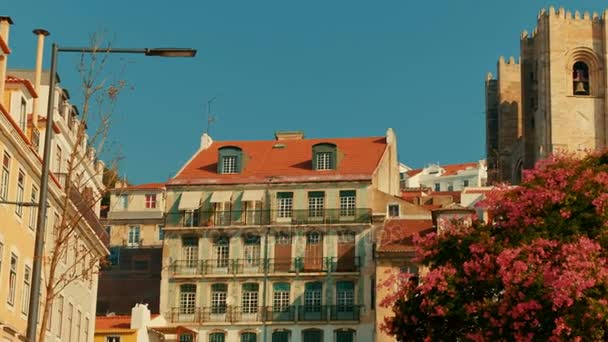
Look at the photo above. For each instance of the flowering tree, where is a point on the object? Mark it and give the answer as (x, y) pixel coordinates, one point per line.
(538, 272)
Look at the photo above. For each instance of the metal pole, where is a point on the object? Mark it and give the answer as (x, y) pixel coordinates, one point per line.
(32, 315)
(264, 307)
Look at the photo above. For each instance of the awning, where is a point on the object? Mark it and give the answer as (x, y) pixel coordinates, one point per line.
(221, 196)
(252, 195)
(190, 201)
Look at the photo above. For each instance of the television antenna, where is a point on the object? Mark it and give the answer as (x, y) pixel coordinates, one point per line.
(210, 117)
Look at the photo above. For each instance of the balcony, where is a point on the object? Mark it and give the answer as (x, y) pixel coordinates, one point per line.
(290, 313)
(228, 218)
(299, 265)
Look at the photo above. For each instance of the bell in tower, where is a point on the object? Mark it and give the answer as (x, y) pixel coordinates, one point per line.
(580, 79)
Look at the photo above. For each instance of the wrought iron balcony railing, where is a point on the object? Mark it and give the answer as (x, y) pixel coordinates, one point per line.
(225, 218)
(261, 266)
(282, 313)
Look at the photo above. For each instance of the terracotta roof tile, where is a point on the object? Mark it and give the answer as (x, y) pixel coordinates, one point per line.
(453, 169)
(26, 83)
(146, 186)
(292, 162)
(115, 322)
(413, 172)
(397, 234)
(4, 47)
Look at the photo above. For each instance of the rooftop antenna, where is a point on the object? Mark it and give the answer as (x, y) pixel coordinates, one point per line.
(210, 117)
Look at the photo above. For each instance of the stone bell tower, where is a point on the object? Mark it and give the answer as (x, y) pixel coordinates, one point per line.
(562, 93)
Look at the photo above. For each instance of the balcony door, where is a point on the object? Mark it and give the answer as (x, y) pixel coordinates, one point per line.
(251, 254)
(190, 255)
(221, 254)
(346, 251)
(313, 253)
(282, 252)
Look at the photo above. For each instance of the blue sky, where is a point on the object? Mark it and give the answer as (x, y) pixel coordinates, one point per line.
(328, 68)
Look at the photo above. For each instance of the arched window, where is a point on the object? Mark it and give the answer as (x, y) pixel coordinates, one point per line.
(280, 335)
(324, 156)
(248, 337)
(580, 78)
(312, 335)
(345, 335)
(217, 337)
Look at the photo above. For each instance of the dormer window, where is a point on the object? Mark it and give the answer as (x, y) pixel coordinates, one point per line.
(580, 78)
(230, 160)
(324, 157)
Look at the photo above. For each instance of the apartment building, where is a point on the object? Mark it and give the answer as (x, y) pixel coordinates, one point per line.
(21, 131)
(272, 240)
(135, 224)
(451, 177)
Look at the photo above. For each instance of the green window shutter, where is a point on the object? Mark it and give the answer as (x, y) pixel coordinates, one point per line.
(219, 287)
(250, 287)
(217, 337)
(190, 241)
(248, 337)
(316, 194)
(345, 286)
(345, 336)
(312, 335)
(348, 193)
(280, 336)
(280, 287)
(315, 286)
(284, 194)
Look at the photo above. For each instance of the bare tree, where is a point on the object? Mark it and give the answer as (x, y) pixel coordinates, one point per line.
(67, 259)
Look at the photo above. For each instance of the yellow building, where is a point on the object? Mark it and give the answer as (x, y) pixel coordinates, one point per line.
(73, 310)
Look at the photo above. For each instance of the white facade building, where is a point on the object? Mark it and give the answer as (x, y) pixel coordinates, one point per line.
(453, 177)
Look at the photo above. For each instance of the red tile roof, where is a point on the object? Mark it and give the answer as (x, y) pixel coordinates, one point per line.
(115, 322)
(292, 162)
(413, 172)
(397, 234)
(453, 169)
(26, 83)
(112, 322)
(146, 186)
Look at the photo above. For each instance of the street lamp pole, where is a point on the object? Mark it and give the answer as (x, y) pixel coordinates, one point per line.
(32, 316)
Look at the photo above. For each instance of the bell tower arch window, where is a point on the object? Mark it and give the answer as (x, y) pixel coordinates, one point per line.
(580, 78)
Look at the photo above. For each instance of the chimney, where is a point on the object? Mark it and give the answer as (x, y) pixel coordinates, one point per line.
(5, 23)
(40, 33)
(289, 135)
(206, 141)
(140, 316)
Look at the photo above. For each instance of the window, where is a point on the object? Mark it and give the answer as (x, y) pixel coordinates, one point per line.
(465, 183)
(86, 329)
(248, 337)
(133, 236)
(218, 298)
(70, 317)
(316, 203)
(114, 255)
(280, 336)
(280, 297)
(58, 155)
(312, 297)
(393, 210)
(251, 250)
(33, 209)
(161, 231)
(190, 251)
(78, 319)
(60, 315)
(250, 298)
(284, 204)
(347, 202)
(6, 166)
(217, 337)
(186, 337)
(437, 187)
(344, 335)
(221, 248)
(150, 201)
(23, 115)
(25, 296)
(345, 296)
(346, 237)
(123, 201)
(187, 299)
(312, 335)
(112, 338)
(229, 164)
(283, 238)
(580, 78)
(450, 187)
(324, 161)
(12, 280)
(20, 191)
(313, 238)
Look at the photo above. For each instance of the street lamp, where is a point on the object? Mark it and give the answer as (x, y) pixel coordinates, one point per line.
(44, 181)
